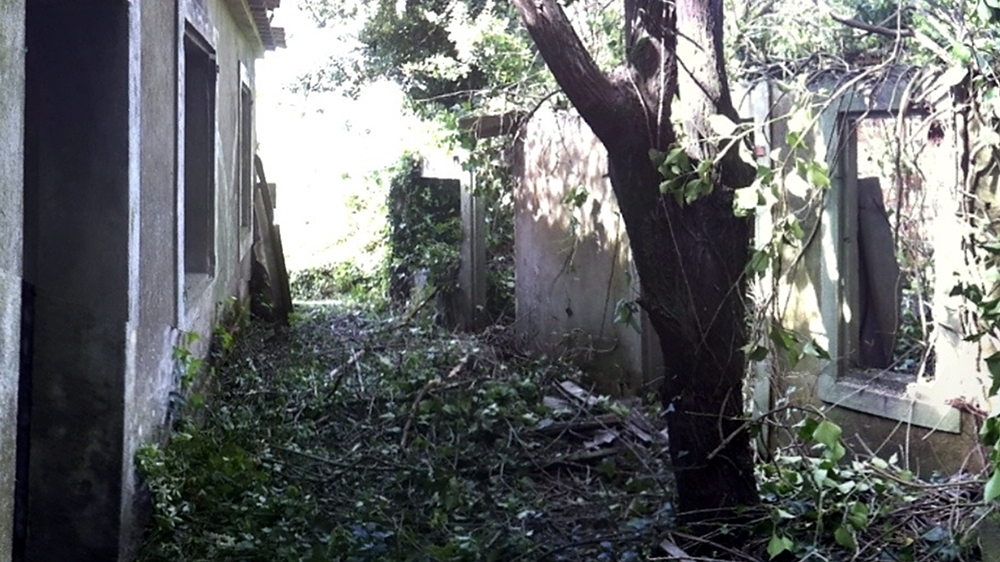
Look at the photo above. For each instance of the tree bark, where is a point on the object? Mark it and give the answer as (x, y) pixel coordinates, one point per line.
(690, 258)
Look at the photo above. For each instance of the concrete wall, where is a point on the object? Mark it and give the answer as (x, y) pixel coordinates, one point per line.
(11, 175)
(148, 384)
(168, 302)
(573, 266)
(573, 261)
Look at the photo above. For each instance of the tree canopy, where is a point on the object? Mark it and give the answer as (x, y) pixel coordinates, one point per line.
(465, 55)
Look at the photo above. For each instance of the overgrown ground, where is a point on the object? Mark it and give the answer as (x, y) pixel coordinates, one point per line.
(354, 436)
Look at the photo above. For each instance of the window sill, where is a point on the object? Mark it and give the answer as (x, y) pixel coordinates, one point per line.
(913, 402)
(195, 285)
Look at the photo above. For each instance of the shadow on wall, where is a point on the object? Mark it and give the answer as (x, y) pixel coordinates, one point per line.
(572, 258)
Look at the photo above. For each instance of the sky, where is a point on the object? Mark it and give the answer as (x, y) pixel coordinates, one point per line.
(321, 148)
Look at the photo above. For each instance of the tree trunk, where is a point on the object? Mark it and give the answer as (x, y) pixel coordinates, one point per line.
(690, 258)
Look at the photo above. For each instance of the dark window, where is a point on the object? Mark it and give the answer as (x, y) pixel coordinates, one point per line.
(199, 155)
(246, 154)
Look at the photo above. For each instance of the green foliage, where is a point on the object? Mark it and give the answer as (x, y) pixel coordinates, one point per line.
(452, 56)
(822, 505)
(627, 312)
(685, 180)
(211, 478)
(344, 279)
(784, 37)
(446, 52)
(968, 42)
(425, 229)
(189, 366)
(489, 159)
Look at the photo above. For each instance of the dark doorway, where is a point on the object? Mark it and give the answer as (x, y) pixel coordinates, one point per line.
(76, 255)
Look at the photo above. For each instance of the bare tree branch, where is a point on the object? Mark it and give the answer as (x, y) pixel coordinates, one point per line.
(588, 89)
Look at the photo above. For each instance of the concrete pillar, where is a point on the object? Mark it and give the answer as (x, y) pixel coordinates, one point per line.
(80, 221)
(11, 178)
(472, 272)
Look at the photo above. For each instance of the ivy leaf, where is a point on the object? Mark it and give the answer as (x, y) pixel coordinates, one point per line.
(759, 261)
(953, 75)
(845, 537)
(990, 433)
(793, 140)
(817, 176)
(779, 544)
(992, 489)
(693, 190)
(807, 428)
(993, 364)
(836, 452)
(722, 125)
(758, 353)
(813, 349)
(827, 433)
(784, 339)
(858, 516)
(796, 229)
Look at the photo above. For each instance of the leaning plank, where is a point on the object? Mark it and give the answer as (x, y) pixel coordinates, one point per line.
(268, 250)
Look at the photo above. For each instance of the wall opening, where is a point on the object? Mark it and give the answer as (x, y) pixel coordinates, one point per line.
(887, 247)
(77, 216)
(199, 156)
(246, 151)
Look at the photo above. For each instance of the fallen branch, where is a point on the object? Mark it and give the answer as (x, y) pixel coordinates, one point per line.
(885, 31)
(430, 385)
(598, 422)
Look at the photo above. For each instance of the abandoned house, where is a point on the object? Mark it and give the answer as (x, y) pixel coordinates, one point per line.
(871, 282)
(126, 217)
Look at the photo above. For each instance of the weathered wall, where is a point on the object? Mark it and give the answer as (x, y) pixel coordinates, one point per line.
(167, 306)
(572, 267)
(572, 257)
(148, 384)
(11, 175)
(102, 235)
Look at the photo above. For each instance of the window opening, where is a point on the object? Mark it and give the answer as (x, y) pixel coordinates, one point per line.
(199, 155)
(888, 257)
(246, 154)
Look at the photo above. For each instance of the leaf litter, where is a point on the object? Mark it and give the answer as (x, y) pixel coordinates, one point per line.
(376, 440)
(358, 438)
